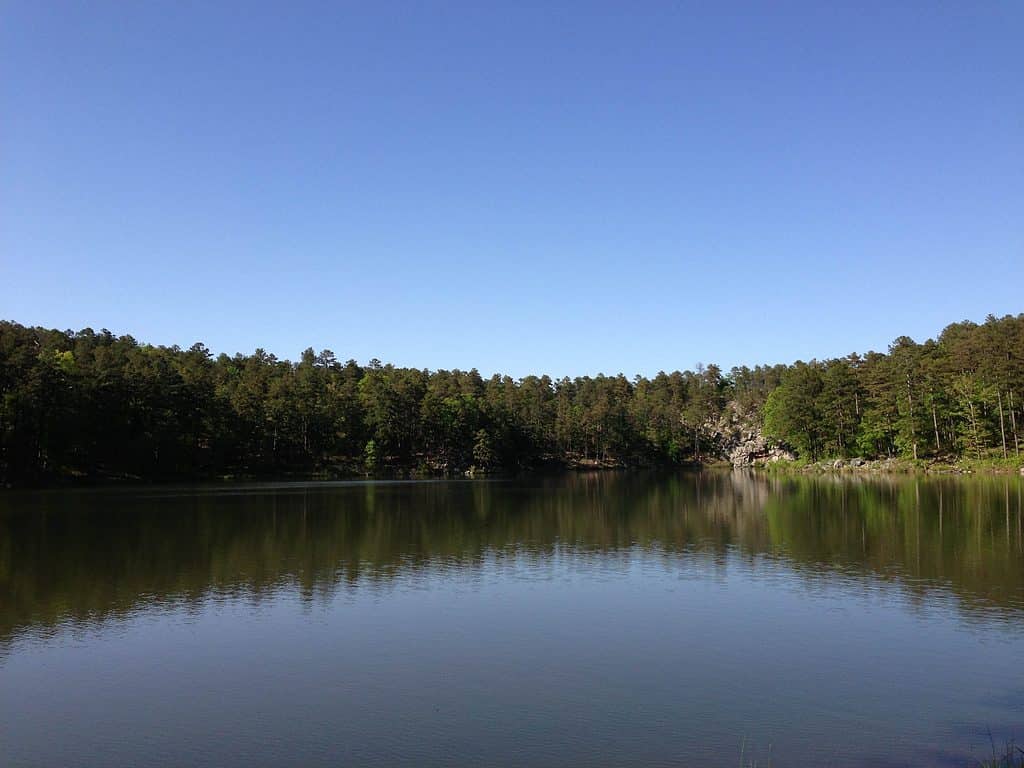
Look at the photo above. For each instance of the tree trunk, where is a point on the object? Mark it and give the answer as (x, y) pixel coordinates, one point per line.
(1002, 427)
(974, 428)
(935, 423)
(1013, 423)
(889, 434)
(913, 428)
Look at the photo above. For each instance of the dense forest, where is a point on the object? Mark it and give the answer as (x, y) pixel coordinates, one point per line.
(97, 405)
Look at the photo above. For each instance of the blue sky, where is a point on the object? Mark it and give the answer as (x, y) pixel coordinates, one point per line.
(520, 187)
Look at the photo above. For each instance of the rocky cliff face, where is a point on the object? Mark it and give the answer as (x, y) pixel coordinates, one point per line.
(739, 439)
(755, 448)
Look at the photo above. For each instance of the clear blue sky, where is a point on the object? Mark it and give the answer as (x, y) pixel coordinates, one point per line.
(522, 187)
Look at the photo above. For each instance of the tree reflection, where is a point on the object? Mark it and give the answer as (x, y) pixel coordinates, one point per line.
(88, 556)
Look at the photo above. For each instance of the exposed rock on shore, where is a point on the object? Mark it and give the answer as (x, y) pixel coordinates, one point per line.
(754, 448)
(737, 437)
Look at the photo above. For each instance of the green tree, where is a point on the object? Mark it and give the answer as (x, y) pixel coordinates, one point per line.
(791, 411)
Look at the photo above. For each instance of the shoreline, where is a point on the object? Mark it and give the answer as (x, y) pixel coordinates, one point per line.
(847, 467)
(895, 466)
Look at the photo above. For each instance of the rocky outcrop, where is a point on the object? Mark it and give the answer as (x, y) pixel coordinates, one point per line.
(754, 448)
(738, 438)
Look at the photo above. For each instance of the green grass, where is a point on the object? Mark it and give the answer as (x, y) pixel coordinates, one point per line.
(1011, 463)
(785, 465)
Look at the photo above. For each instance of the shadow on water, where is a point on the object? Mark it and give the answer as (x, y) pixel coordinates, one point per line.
(84, 557)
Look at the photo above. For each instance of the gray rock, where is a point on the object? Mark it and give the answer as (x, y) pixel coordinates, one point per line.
(757, 449)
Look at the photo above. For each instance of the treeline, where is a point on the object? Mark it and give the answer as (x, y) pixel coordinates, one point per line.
(956, 396)
(107, 405)
(101, 405)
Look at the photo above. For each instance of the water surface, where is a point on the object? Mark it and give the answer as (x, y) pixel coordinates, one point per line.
(585, 620)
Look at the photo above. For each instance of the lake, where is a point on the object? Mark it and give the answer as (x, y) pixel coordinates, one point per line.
(607, 619)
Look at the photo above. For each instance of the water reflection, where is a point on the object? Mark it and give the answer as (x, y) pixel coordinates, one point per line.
(87, 556)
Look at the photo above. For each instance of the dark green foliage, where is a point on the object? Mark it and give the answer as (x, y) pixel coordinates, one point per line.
(95, 404)
(483, 452)
(794, 410)
(958, 396)
(99, 405)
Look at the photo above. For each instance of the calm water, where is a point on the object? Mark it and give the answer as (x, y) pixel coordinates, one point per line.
(591, 620)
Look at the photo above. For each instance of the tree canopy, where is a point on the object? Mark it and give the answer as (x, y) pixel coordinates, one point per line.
(90, 403)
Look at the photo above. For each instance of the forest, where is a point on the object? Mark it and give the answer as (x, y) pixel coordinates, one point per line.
(95, 405)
